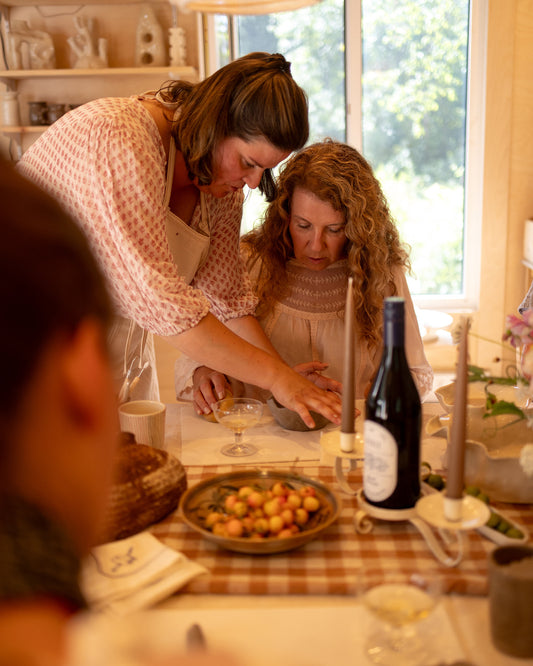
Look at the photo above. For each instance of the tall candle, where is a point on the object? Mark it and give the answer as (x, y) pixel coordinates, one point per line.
(348, 377)
(456, 445)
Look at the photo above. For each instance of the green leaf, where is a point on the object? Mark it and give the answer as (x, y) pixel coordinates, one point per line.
(477, 374)
(497, 407)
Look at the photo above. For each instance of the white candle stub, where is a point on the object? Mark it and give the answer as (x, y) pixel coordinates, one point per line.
(347, 441)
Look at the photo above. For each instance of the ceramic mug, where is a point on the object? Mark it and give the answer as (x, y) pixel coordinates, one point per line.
(145, 419)
(10, 108)
(511, 600)
(55, 111)
(38, 113)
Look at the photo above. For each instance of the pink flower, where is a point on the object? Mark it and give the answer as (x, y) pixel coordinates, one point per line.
(519, 329)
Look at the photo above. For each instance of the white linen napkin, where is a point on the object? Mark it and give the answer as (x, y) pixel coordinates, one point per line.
(201, 441)
(134, 573)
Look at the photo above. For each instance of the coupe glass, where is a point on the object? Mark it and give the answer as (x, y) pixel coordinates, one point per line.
(395, 641)
(238, 414)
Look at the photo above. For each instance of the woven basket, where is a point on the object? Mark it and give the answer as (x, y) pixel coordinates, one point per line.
(148, 485)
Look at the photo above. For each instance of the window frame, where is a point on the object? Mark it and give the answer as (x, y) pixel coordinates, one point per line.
(475, 135)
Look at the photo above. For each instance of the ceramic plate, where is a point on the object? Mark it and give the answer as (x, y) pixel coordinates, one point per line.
(201, 499)
(501, 538)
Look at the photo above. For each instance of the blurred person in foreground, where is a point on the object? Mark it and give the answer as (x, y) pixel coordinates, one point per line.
(58, 428)
(328, 220)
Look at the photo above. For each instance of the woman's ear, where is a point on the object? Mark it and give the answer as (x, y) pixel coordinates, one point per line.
(85, 374)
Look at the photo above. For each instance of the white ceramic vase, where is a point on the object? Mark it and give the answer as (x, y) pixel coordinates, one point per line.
(9, 108)
(150, 43)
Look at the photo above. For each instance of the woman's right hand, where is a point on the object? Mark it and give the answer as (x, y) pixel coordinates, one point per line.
(208, 386)
(302, 396)
(312, 370)
(213, 343)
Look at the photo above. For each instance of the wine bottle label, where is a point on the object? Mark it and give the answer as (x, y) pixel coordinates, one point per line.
(380, 472)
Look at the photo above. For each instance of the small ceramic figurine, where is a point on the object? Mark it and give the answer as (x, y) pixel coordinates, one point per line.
(178, 48)
(83, 45)
(29, 49)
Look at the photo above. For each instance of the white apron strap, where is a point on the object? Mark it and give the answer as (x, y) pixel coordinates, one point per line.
(189, 248)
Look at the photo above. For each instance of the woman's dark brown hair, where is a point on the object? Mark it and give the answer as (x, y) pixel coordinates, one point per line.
(254, 96)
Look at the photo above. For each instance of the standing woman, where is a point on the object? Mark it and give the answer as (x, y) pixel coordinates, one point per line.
(156, 181)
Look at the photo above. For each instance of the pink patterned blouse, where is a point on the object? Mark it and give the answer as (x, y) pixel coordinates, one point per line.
(105, 162)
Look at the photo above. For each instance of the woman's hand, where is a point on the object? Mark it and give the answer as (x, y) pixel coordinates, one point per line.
(212, 343)
(209, 386)
(296, 392)
(312, 370)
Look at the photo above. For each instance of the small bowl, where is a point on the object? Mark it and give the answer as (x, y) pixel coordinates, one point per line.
(498, 474)
(492, 455)
(477, 396)
(290, 420)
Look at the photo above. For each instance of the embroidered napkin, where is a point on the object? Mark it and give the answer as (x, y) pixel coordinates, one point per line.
(134, 573)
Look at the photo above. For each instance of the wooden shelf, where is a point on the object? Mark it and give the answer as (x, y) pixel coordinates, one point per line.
(23, 129)
(25, 3)
(187, 73)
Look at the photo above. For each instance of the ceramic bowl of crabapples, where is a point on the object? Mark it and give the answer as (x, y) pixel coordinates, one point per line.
(260, 512)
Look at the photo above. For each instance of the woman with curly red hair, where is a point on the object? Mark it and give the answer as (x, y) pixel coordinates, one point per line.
(328, 220)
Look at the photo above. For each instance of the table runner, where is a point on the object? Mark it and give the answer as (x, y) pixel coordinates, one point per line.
(336, 561)
(200, 441)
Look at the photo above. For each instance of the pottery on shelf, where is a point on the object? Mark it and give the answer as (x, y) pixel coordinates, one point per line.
(29, 49)
(177, 47)
(150, 50)
(9, 108)
(38, 113)
(90, 53)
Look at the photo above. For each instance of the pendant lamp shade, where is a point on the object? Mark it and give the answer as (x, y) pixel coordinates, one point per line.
(245, 6)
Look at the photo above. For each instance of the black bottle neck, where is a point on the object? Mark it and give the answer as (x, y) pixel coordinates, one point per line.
(393, 323)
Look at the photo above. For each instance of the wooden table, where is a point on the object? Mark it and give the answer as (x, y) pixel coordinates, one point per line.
(324, 574)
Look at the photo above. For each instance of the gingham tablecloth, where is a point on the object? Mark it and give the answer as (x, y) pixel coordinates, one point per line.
(336, 561)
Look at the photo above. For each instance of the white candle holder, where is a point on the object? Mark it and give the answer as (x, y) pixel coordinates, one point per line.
(469, 512)
(331, 444)
(428, 513)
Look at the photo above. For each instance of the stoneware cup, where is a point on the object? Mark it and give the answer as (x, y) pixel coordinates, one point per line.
(145, 419)
(38, 113)
(511, 600)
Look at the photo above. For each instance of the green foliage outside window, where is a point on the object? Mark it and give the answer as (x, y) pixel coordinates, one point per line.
(414, 111)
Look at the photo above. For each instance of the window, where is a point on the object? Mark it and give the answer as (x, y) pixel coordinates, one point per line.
(403, 81)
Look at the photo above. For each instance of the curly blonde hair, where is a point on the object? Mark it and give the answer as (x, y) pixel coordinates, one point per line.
(339, 175)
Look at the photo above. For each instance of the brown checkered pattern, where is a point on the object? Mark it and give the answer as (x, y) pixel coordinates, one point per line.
(332, 563)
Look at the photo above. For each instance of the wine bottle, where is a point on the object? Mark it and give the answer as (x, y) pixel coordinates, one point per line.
(391, 473)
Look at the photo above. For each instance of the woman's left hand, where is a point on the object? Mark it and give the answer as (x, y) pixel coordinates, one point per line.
(208, 387)
(312, 370)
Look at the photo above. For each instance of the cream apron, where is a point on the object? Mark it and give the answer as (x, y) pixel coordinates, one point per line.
(132, 346)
